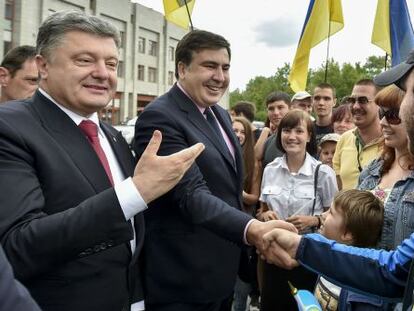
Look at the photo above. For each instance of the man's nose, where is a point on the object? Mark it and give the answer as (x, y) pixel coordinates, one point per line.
(100, 71)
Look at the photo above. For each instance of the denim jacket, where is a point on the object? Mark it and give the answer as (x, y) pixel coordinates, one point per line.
(399, 208)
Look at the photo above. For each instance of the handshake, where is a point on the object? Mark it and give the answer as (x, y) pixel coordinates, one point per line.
(276, 241)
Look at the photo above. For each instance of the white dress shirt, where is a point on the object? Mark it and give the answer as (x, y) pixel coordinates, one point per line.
(289, 194)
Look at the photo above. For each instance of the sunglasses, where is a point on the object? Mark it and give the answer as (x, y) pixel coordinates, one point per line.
(391, 115)
(363, 100)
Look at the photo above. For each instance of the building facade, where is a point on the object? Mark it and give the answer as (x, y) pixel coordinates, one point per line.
(148, 43)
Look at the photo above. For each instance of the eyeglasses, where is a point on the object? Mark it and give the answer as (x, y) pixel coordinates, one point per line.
(391, 115)
(363, 100)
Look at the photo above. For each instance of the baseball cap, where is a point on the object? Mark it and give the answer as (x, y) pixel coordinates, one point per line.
(301, 95)
(396, 74)
(330, 137)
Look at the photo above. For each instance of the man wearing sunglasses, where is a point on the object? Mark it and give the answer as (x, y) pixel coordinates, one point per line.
(358, 147)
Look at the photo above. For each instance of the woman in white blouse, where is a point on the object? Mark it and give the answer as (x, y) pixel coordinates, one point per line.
(288, 193)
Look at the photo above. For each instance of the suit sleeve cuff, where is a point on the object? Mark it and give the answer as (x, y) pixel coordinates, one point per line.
(129, 198)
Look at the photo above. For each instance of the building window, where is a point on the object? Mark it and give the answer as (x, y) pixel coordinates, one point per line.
(141, 45)
(170, 78)
(120, 69)
(141, 72)
(171, 51)
(152, 48)
(152, 74)
(7, 47)
(8, 11)
(122, 39)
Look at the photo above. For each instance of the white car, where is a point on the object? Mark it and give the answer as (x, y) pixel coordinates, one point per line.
(128, 129)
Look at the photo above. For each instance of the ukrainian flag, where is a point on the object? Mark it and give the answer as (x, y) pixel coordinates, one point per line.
(176, 11)
(393, 31)
(324, 18)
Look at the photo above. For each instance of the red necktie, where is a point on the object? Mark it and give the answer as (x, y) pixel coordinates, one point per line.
(90, 129)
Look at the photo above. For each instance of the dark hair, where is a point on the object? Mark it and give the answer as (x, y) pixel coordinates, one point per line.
(246, 109)
(15, 58)
(368, 82)
(248, 153)
(53, 29)
(363, 216)
(339, 113)
(277, 96)
(391, 97)
(325, 85)
(195, 41)
(292, 119)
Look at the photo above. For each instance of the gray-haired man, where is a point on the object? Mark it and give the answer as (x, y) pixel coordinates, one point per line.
(70, 216)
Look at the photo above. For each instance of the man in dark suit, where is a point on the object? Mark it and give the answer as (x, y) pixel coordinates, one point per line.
(14, 297)
(70, 214)
(194, 232)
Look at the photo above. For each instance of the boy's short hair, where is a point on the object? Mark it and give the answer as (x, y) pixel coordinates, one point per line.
(245, 108)
(278, 96)
(363, 216)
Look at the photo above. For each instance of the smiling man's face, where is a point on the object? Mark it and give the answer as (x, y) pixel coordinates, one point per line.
(207, 77)
(81, 72)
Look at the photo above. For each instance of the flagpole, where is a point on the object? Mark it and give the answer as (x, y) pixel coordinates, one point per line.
(327, 48)
(385, 63)
(189, 15)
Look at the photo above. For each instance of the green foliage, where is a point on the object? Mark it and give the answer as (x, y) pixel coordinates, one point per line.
(342, 77)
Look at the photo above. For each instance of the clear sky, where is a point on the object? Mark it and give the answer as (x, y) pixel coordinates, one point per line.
(264, 33)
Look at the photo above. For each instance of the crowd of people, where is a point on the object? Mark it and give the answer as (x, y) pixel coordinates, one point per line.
(207, 212)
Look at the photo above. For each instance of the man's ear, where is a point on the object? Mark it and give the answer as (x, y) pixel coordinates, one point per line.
(4, 76)
(181, 67)
(42, 66)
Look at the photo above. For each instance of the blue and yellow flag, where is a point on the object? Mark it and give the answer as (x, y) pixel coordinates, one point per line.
(176, 11)
(393, 31)
(324, 18)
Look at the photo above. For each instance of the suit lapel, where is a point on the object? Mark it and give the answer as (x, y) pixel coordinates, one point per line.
(197, 119)
(120, 148)
(70, 138)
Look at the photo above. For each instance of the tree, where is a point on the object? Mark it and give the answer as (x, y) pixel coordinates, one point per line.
(342, 77)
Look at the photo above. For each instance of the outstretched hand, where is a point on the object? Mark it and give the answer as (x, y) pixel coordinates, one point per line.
(155, 175)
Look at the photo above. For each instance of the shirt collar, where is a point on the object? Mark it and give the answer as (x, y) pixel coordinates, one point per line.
(72, 115)
(306, 168)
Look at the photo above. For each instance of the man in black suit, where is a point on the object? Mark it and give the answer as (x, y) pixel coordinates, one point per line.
(194, 232)
(70, 212)
(14, 297)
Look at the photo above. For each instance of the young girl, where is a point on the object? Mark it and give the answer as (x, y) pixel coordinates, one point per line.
(288, 193)
(251, 180)
(251, 187)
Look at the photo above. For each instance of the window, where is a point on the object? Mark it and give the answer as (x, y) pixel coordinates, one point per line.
(8, 11)
(171, 53)
(152, 48)
(122, 39)
(7, 47)
(120, 68)
(141, 72)
(141, 45)
(170, 78)
(152, 74)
